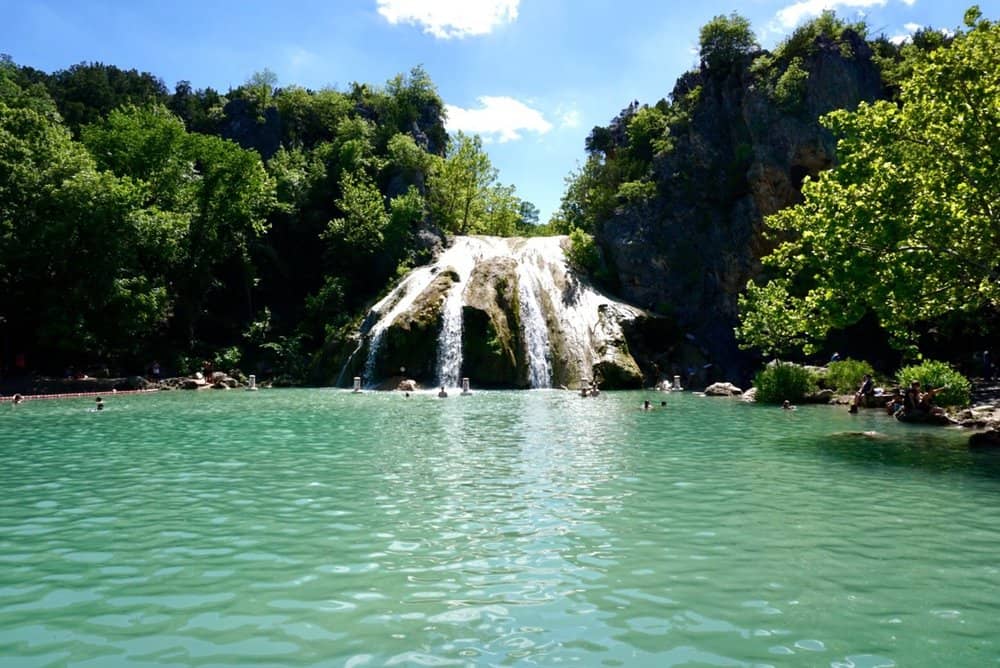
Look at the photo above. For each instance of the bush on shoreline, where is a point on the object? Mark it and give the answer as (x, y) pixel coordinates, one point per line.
(844, 376)
(934, 374)
(783, 380)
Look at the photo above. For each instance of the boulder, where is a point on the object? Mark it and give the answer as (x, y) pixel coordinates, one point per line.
(722, 390)
(193, 383)
(750, 395)
(615, 366)
(985, 440)
(819, 397)
(407, 385)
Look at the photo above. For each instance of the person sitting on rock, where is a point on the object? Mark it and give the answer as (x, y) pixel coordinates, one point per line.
(866, 390)
(895, 403)
(927, 402)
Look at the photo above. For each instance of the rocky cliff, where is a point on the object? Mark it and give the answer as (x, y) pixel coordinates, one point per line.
(740, 155)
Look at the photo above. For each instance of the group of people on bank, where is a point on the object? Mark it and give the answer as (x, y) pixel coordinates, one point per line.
(913, 404)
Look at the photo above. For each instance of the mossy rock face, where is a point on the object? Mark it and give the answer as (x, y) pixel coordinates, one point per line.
(615, 367)
(492, 347)
(411, 341)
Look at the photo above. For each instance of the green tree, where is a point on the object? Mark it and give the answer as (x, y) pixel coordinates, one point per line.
(361, 230)
(724, 40)
(459, 185)
(907, 225)
(71, 238)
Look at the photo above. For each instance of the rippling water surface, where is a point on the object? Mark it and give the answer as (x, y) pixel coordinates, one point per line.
(318, 527)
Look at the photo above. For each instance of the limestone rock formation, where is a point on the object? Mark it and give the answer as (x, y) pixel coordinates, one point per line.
(508, 313)
(738, 158)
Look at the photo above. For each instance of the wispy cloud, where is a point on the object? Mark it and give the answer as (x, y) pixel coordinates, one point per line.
(912, 28)
(909, 3)
(569, 116)
(790, 16)
(499, 119)
(446, 19)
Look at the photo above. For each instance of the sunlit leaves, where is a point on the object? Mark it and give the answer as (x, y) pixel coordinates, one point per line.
(907, 227)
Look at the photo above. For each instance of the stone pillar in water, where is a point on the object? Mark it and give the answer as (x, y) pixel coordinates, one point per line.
(252, 382)
(357, 383)
(677, 383)
(465, 385)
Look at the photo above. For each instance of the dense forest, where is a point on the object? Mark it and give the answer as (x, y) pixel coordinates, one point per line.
(243, 228)
(760, 205)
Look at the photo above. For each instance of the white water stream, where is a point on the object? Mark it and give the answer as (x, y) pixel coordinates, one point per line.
(549, 296)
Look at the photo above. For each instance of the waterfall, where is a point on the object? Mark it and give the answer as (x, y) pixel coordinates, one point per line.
(388, 309)
(549, 295)
(462, 258)
(531, 273)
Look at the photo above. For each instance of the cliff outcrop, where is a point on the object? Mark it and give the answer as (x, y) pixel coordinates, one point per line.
(740, 154)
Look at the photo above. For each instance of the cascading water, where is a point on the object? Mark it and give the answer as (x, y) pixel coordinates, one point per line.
(390, 306)
(449, 366)
(530, 273)
(549, 295)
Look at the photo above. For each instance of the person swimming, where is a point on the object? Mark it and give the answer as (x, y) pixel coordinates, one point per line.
(646, 405)
(442, 393)
(99, 404)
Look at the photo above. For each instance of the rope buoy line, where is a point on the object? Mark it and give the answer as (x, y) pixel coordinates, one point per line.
(77, 395)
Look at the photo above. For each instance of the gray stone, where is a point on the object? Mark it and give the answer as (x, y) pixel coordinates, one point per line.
(723, 390)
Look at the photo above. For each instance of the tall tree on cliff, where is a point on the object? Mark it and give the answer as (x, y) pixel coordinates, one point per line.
(907, 227)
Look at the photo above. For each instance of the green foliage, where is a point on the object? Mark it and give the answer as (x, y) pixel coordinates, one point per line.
(636, 191)
(844, 376)
(803, 40)
(227, 359)
(783, 380)
(648, 134)
(583, 253)
(88, 92)
(932, 375)
(789, 91)
(154, 233)
(724, 40)
(906, 226)
(361, 230)
(464, 196)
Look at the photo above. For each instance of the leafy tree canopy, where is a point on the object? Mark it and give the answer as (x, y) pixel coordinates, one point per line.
(725, 39)
(907, 226)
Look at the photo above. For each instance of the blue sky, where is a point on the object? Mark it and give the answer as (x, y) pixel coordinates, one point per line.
(531, 76)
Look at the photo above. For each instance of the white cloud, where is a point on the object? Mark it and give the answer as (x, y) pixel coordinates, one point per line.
(909, 3)
(912, 28)
(450, 18)
(570, 119)
(498, 118)
(792, 15)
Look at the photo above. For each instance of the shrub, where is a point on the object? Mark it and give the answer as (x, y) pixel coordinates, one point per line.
(783, 380)
(227, 359)
(934, 374)
(844, 377)
(583, 253)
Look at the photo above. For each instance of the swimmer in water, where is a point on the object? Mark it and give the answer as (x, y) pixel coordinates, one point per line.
(441, 393)
(99, 404)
